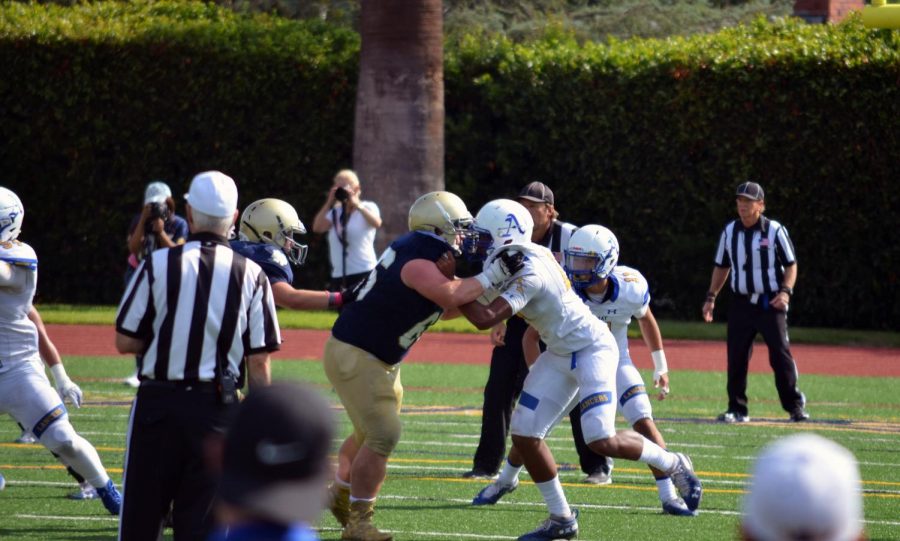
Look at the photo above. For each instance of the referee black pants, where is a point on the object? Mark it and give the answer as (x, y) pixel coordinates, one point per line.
(504, 384)
(164, 462)
(745, 320)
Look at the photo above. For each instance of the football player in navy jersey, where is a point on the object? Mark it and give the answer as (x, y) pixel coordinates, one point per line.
(411, 287)
(268, 236)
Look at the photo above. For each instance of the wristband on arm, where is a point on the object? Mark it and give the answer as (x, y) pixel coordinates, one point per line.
(335, 300)
(710, 296)
(660, 366)
(59, 373)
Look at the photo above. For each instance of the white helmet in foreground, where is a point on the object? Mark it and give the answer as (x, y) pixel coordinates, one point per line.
(502, 222)
(592, 255)
(11, 214)
(275, 222)
(443, 214)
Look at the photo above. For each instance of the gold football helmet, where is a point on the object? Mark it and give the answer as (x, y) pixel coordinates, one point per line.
(275, 222)
(443, 214)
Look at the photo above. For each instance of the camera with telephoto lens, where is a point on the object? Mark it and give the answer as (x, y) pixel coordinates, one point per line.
(341, 194)
(158, 210)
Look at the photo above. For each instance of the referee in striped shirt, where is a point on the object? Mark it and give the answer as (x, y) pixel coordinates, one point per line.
(760, 254)
(192, 314)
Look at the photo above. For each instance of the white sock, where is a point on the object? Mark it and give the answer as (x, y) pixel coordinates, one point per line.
(340, 482)
(657, 457)
(666, 489)
(81, 457)
(508, 474)
(352, 499)
(554, 498)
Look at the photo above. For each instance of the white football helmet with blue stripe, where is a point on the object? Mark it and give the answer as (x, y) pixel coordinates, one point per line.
(11, 214)
(500, 223)
(592, 255)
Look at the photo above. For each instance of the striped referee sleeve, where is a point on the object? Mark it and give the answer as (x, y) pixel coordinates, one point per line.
(785, 252)
(134, 317)
(262, 323)
(721, 259)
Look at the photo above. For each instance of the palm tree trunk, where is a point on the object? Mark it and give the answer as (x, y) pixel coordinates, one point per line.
(398, 145)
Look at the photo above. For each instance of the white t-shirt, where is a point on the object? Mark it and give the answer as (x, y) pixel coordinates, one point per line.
(360, 241)
(542, 295)
(18, 335)
(627, 296)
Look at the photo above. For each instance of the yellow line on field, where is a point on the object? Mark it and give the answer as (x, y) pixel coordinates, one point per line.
(47, 467)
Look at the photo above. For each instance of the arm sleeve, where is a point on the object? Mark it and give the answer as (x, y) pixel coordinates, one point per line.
(262, 322)
(135, 313)
(371, 207)
(722, 258)
(785, 248)
(520, 291)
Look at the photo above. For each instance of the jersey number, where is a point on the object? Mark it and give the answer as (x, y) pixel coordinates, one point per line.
(409, 338)
(386, 260)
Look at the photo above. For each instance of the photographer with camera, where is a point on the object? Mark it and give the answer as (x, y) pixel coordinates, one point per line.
(351, 225)
(157, 226)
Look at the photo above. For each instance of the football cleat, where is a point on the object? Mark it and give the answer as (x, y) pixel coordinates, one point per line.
(799, 416)
(110, 497)
(687, 482)
(478, 473)
(492, 493)
(599, 477)
(360, 527)
(732, 417)
(339, 503)
(554, 528)
(84, 492)
(678, 508)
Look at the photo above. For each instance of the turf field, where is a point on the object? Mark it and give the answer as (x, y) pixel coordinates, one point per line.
(425, 498)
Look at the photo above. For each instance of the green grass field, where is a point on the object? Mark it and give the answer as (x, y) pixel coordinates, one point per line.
(425, 497)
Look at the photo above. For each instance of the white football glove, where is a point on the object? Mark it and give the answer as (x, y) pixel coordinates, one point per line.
(67, 389)
(501, 268)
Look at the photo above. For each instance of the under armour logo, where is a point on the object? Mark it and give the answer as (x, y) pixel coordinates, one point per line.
(511, 222)
(612, 311)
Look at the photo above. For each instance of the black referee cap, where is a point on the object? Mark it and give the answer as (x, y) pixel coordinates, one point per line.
(276, 454)
(751, 190)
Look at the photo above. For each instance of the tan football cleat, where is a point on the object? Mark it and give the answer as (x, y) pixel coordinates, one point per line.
(360, 527)
(340, 503)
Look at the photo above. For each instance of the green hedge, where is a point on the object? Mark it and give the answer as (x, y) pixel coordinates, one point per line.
(649, 137)
(652, 137)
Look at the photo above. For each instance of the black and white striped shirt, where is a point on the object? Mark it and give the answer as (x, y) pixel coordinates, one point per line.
(757, 256)
(557, 238)
(199, 307)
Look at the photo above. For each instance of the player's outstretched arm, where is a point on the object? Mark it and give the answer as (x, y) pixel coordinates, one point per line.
(425, 277)
(486, 316)
(66, 388)
(301, 299)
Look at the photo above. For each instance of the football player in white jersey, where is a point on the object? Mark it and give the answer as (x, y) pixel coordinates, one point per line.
(578, 367)
(616, 294)
(25, 391)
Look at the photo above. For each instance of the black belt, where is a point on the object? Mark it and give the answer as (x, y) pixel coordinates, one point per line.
(186, 385)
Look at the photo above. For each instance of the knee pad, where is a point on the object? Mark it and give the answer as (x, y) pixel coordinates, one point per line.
(60, 437)
(383, 434)
(635, 404)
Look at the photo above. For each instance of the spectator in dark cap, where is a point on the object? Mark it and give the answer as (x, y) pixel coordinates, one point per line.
(275, 467)
(759, 255)
(508, 368)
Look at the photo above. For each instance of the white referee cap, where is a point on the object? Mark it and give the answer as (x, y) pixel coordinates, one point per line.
(213, 193)
(804, 487)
